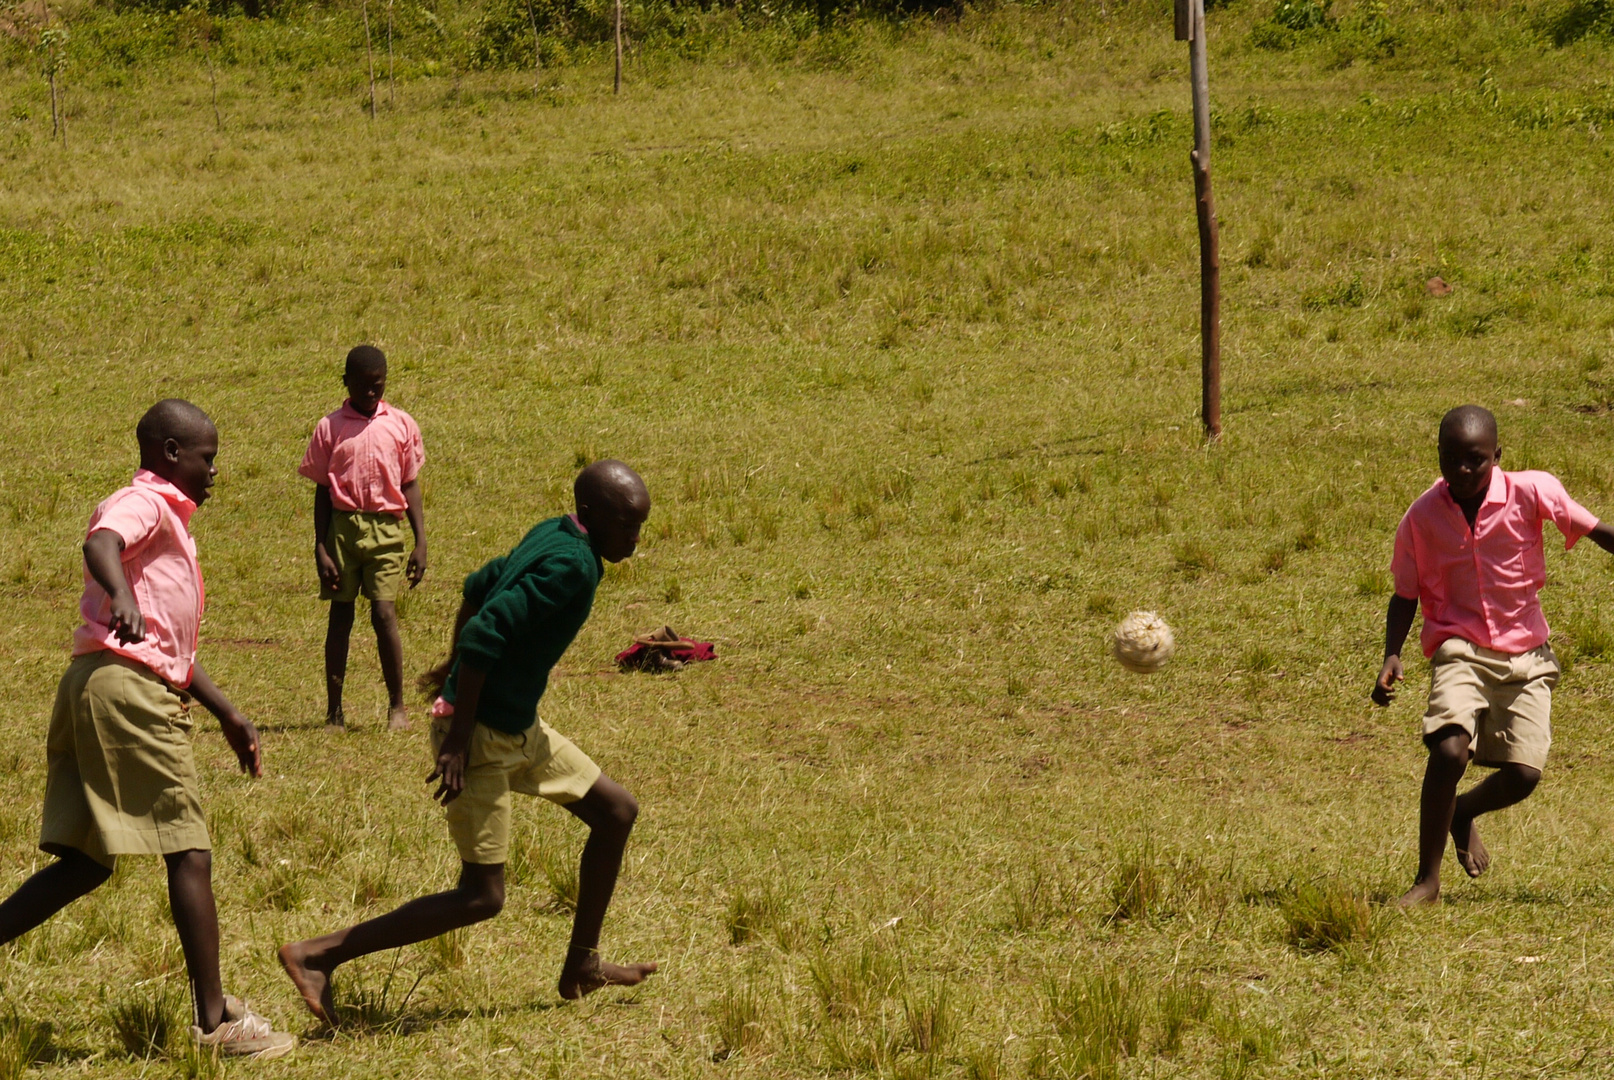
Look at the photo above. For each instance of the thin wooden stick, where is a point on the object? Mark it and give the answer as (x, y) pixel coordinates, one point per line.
(537, 51)
(1190, 24)
(369, 53)
(207, 51)
(392, 86)
(616, 87)
(55, 120)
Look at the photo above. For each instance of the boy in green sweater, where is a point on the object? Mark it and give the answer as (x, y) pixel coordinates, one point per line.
(519, 614)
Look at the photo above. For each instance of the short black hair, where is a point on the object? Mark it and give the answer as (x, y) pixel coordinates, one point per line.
(364, 358)
(171, 418)
(1468, 420)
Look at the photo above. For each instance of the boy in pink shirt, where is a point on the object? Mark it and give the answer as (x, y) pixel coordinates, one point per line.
(1470, 550)
(122, 776)
(365, 459)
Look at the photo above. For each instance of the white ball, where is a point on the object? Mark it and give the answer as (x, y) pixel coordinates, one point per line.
(1143, 642)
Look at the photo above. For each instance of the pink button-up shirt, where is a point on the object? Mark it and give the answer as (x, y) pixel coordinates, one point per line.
(1481, 584)
(159, 561)
(365, 460)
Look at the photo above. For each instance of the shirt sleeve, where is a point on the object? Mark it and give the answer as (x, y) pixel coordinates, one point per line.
(414, 453)
(478, 582)
(540, 592)
(1404, 563)
(134, 516)
(1555, 505)
(317, 461)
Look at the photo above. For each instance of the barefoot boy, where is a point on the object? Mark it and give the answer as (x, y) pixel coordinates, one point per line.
(519, 614)
(365, 461)
(122, 778)
(1470, 551)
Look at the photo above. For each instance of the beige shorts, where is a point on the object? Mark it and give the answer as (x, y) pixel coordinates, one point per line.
(370, 553)
(540, 761)
(121, 776)
(1503, 700)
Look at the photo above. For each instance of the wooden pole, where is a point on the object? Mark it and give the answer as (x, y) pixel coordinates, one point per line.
(369, 53)
(537, 49)
(207, 51)
(1190, 27)
(616, 87)
(392, 84)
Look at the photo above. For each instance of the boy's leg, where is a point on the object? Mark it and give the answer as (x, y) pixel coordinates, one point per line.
(384, 617)
(1512, 782)
(478, 896)
(609, 812)
(72, 875)
(1448, 760)
(338, 630)
(196, 917)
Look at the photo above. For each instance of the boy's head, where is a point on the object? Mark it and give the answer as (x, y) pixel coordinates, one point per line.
(1468, 451)
(365, 377)
(612, 503)
(178, 443)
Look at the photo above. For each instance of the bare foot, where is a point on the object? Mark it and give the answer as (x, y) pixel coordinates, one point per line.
(1471, 853)
(1424, 892)
(311, 982)
(583, 978)
(398, 719)
(335, 721)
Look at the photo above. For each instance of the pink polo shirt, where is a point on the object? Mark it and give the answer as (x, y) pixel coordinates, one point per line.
(159, 561)
(365, 460)
(1481, 584)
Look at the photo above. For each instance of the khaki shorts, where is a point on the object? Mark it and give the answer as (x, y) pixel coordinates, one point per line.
(370, 553)
(1503, 701)
(540, 761)
(122, 778)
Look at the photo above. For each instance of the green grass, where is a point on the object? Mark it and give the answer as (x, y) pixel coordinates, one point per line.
(899, 321)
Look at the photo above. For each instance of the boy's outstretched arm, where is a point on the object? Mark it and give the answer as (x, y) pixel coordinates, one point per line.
(239, 732)
(415, 510)
(1397, 622)
(329, 575)
(1603, 536)
(103, 557)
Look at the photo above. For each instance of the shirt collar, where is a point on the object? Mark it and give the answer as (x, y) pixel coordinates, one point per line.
(380, 410)
(145, 478)
(575, 526)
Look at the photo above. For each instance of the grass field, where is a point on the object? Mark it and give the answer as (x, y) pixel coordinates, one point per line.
(900, 325)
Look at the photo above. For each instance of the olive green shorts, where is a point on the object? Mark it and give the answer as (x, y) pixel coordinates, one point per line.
(1502, 700)
(371, 554)
(121, 776)
(539, 761)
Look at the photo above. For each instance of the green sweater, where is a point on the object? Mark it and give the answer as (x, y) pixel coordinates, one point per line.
(530, 605)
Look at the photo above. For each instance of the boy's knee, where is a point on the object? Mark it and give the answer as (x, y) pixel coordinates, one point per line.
(383, 613)
(1449, 747)
(482, 891)
(1524, 776)
(622, 811)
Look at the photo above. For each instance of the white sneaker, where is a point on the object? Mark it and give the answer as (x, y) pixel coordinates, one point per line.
(243, 1033)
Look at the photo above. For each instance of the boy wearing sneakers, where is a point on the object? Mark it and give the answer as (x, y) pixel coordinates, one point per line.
(1470, 551)
(519, 614)
(122, 776)
(365, 461)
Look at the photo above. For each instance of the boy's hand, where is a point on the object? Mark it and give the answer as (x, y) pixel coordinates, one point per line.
(1389, 675)
(431, 683)
(450, 770)
(417, 565)
(126, 620)
(329, 575)
(242, 736)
